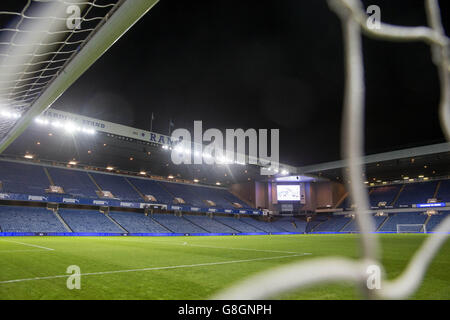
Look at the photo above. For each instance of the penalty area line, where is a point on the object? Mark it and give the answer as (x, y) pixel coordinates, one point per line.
(152, 268)
(28, 244)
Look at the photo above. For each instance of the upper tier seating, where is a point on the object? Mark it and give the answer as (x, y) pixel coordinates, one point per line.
(117, 185)
(209, 224)
(403, 218)
(23, 178)
(88, 221)
(333, 224)
(74, 182)
(28, 219)
(177, 224)
(238, 225)
(137, 222)
(383, 194)
(444, 191)
(150, 187)
(414, 193)
(186, 192)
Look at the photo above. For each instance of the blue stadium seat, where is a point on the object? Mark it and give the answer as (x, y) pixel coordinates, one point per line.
(415, 193)
(435, 220)
(353, 225)
(383, 194)
(74, 182)
(262, 225)
(333, 224)
(403, 218)
(29, 219)
(209, 224)
(290, 224)
(137, 222)
(152, 187)
(444, 191)
(23, 178)
(88, 221)
(238, 225)
(117, 185)
(177, 224)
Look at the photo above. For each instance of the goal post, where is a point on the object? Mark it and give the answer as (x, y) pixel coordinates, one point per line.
(116, 23)
(411, 228)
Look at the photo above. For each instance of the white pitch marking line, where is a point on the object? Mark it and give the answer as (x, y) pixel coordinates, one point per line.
(153, 268)
(212, 247)
(25, 250)
(28, 244)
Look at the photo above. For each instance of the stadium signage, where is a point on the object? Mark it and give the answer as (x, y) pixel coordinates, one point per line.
(52, 115)
(126, 204)
(431, 205)
(223, 150)
(68, 200)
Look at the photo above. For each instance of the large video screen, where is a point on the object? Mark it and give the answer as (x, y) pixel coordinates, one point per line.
(288, 192)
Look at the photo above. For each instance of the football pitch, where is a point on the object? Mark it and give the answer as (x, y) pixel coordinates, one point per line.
(190, 267)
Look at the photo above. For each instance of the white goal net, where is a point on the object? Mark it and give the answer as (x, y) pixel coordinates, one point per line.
(45, 45)
(321, 270)
(411, 228)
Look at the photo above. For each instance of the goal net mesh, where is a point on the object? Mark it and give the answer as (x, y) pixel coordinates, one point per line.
(321, 270)
(37, 40)
(411, 228)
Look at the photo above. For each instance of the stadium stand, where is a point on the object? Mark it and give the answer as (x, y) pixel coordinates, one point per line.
(236, 224)
(414, 193)
(435, 220)
(151, 187)
(209, 224)
(177, 224)
(333, 224)
(74, 182)
(185, 192)
(383, 194)
(290, 224)
(264, 226)
(232, 198)
(23, 178)
(443, 193)
(88, 221)
(403, 218)
(137, 222)
(117, 185)
(28, 219)
(353, 225)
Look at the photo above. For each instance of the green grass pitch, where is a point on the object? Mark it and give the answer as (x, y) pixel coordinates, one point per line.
(190, 267)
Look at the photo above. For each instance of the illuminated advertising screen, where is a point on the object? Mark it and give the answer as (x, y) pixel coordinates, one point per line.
(288, 192)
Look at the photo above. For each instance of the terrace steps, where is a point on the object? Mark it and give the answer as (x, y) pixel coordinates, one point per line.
(195, 224)
(382, 224)
(93, 181)
(345, 225)
(50, 179)
(316, 226)
(135, 189)
(426, 222)
(398, 195)
(66, 226)
(116, 223)
(437, 189)
(159, 223)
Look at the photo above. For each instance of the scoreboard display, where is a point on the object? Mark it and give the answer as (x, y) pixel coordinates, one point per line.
(288, 192)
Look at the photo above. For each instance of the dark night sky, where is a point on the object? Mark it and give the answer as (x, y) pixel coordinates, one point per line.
(265, 64)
